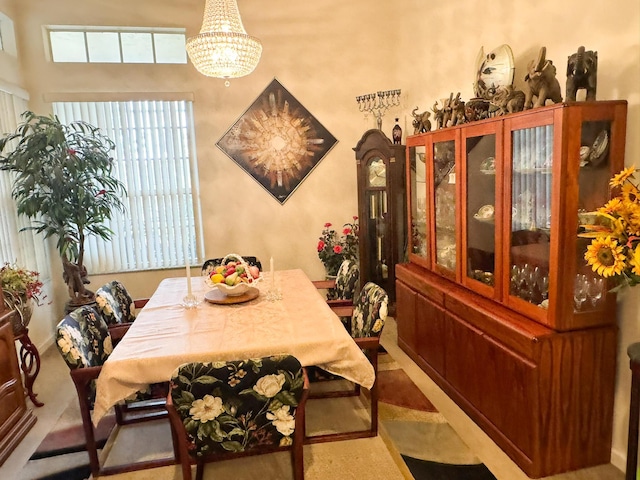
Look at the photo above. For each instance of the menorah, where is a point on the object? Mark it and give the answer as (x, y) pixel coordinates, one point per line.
(378, 103)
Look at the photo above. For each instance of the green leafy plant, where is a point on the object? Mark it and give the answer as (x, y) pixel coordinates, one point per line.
(63, 182)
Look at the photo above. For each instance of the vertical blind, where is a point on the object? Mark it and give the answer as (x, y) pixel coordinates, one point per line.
(26, 249)
(155, 159)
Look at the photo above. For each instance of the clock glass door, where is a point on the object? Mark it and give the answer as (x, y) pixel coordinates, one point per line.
(378, 234)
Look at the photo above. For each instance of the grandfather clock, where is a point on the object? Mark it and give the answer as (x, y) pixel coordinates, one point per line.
(381, 209)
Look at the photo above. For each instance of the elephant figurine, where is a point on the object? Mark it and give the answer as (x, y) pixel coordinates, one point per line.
(421, 123)
(582, 72)
(508, 100)
(438, 115)
(541, 82)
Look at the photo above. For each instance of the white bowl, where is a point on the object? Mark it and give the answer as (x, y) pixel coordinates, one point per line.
(234, 290)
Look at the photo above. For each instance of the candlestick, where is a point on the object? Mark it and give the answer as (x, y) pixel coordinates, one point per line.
(188, 278)
(271, 270)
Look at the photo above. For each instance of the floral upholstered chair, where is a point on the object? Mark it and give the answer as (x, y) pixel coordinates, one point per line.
(368, 316)
(84, 340)
(116, 305)
(225, 409)
(342, 290)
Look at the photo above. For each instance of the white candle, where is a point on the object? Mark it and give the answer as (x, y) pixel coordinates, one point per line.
(271, 269)
(188, 278)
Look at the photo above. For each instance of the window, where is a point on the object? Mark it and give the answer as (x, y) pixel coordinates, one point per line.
(155, 159)
(117, 45)
(7, 35)
(24, 248)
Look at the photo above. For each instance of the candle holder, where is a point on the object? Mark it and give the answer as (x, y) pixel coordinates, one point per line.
(378, 103)
(273, 295)
(190, 301)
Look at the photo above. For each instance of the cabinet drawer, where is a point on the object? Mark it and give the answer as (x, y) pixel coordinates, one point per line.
(430, 329)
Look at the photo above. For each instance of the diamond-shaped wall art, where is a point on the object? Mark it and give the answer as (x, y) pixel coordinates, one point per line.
(277, 141)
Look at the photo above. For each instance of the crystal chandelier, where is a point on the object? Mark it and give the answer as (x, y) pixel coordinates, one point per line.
(223, 49)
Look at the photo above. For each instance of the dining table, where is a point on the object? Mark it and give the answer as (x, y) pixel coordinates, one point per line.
(296, 321)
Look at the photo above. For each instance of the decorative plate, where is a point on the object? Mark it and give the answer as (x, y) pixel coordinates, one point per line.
(494, 70)
(485, 212)
(599, 148)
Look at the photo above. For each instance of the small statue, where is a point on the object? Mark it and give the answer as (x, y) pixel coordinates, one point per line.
(457, 110)
(421, 123)
(541, 82)
(438, 115)
(508, 100)
(582, 72)
(476, 109)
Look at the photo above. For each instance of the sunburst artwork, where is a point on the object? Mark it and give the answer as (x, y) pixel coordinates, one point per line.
(277, 141)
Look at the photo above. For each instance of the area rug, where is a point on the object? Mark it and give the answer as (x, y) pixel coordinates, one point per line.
(415, 434)
(429, 446)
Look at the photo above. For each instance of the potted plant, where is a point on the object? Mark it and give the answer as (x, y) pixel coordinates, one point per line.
(64, 183)
(20, 289)
(333, 249)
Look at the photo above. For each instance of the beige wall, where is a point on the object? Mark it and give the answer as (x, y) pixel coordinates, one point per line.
(326, 53)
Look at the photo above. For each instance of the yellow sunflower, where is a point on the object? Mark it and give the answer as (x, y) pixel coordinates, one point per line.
(606, 257)
(612, 207)
(619, 178)
(634, 260)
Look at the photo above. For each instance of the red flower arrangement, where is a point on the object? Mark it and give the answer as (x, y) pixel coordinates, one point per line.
(334, 249)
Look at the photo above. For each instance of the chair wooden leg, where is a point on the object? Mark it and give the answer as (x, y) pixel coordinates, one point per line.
(87, 425)
(634, 420)
(199, 469)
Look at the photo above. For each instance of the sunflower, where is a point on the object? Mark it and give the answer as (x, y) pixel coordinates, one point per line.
(606, 257)
(619, 178)
(612, 207)
(634, 260)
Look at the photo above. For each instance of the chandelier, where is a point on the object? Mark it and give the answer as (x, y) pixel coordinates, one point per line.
(223, 49)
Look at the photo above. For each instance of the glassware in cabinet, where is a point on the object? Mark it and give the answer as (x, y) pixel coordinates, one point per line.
(530, 225)
(481, 209)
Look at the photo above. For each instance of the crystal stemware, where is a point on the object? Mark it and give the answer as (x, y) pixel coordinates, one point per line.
(595, 289)
(579, 292)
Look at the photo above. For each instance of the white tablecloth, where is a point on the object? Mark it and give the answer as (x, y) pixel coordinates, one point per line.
(165, 335)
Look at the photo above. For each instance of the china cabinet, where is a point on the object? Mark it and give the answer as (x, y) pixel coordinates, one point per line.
(497, 303)
(381, 209)
(15, 419)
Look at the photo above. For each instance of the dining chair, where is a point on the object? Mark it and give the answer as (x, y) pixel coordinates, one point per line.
(85, 342)
(342, 290)
(117, 307)
(368, 316)
(208, 265)
(222, 410)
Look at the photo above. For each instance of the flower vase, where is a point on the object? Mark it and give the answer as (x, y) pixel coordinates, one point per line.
(24, 309)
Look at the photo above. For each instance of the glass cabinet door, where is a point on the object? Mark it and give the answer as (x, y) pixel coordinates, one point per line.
(444, 178)
(418, 189)
(532, 161)
(480, 153)
(589, 289)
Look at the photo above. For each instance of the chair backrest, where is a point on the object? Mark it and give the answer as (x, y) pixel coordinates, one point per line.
(208, 265)
(115, 304)
(347, 280)
(83, 338)
(238, 405)
(369, 311)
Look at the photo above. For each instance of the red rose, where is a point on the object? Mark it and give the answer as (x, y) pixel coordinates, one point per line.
(337, 249)
(327, 225)
(320, 245)
(346, 231)
(355, 218)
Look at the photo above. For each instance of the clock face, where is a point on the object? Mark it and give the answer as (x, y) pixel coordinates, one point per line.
(377, 173)
(493, 70)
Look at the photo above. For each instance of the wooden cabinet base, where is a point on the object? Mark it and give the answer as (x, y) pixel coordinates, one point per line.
(545, 397)
(15, 419)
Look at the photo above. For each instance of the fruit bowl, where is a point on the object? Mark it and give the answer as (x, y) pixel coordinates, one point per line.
(233, 276)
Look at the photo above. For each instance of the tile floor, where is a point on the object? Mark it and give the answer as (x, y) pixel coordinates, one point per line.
(55, 389)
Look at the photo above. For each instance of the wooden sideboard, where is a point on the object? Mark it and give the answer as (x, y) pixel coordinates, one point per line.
(15, 419)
